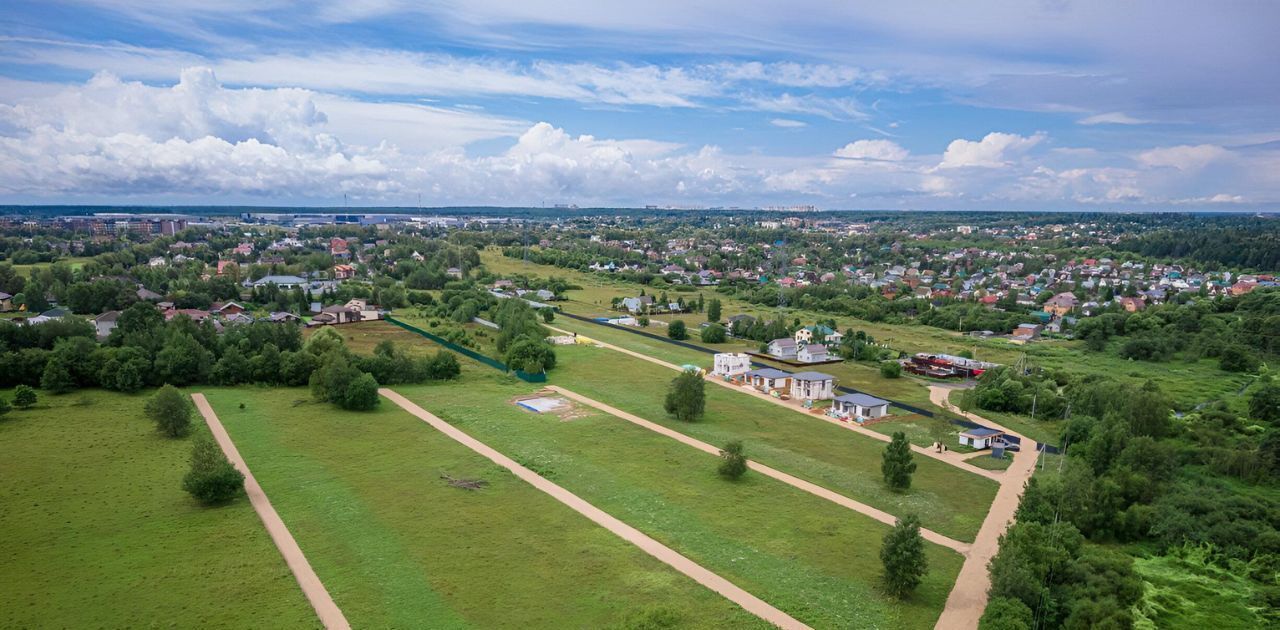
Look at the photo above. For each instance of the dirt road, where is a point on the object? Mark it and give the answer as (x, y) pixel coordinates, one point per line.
(326, 610)
(747, 601)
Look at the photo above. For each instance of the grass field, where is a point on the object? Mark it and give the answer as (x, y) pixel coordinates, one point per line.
(397, 546)
(27, 270)
(811, 558)
(948, 500)
(1189, 383)
(99, 533)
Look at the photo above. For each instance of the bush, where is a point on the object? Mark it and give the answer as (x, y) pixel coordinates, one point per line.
(171, 411)
(24, 397)
(362, 394)
(734, 460)
(713, 333)
(443, 366)
(677, 330)
(1238, 358)
(4, 407)
(890, 369)
(212, 479)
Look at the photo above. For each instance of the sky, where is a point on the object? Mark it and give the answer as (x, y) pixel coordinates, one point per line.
(985, 104)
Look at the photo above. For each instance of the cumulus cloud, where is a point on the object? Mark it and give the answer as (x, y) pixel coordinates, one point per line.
(993, 151)
(1183, 157)
(881, 150)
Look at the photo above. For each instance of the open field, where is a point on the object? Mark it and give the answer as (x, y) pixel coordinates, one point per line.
(99, 533)
(815, 560)
(75, 262)
(395, 544)
(949, 500)
(1189, 383)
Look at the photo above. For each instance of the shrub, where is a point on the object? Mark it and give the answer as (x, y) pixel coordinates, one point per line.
(890, 369)
(713, 333)
(362, 394)
(171, 411)
(733, 460)
(212, 479)
(24, 397)
(677, 330)
(4, 407)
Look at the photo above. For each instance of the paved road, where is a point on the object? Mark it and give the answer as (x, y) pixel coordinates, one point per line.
(811, 488)
(747, 601)
(326, 610)
(968, 598)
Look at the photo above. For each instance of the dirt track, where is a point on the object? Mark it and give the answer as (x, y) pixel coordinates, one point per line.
(747, 601)
(325, 608)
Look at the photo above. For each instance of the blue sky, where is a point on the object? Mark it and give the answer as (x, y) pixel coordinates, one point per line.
(1052, 104)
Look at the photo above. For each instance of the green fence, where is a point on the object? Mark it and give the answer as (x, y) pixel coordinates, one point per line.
(540, 377)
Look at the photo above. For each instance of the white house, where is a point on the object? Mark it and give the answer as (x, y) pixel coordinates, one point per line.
(812, 353)
(784, 348)
(980, 437)
(812, 386)
(769, 379)
(731, 364)
(804, 335)
(105, 323)
(860, 406)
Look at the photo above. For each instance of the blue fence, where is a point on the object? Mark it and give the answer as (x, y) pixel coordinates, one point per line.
(540, 377)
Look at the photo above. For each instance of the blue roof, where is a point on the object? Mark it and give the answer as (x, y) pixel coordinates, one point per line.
(862, 400)
(983, 432)
(769, 373)
(812, 376)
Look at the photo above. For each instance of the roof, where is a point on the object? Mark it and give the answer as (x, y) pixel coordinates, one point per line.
(812, 376)
(862, 400)
(4, 296)
(815, 348)
(281, 280)
(982, 432)
(785, 341)
(109, 316)
(769, 373)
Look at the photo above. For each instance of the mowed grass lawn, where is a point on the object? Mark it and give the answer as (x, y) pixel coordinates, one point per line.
(397, 546)
(98, 533)
(813, 559)
(949, 500)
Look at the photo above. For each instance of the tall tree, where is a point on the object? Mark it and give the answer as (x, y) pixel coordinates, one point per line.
(897, 466)
(902, 555)
(686, 398)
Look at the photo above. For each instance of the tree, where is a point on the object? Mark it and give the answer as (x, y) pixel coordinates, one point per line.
(183, 360)
(1238, 358)
(713, 310)
(212, 479)
(171, 411)
(733, 460)
(1264, 402)
(890, 369)
(531, 355)
(686, 397)
(902, 555)
(57, 377)
(1006, 613)
(548, 314)
(362, 394)
(677, 330)
(713, 333)
(897, 466)
(24, 397)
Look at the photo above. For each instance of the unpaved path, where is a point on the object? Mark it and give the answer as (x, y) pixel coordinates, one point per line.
(811, 488)
(968, 597)
(951, 457)
(326, 610)
(747, 601)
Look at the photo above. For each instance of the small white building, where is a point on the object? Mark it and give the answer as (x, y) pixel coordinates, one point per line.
(731, 364)
(804, 335)
(812, 386)
(812, 353)
(769, 379)
(860, 406)
(980, 437)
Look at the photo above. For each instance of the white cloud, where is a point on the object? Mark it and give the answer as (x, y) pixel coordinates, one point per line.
(1183, 157)
(881, 150)
(1112, 118)
(787, 123)
(993, 151)
(826, 107)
